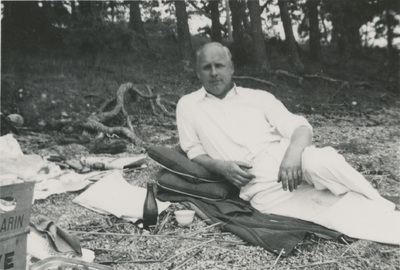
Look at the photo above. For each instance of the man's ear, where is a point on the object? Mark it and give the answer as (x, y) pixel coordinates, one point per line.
(233, 68)
(198, 75)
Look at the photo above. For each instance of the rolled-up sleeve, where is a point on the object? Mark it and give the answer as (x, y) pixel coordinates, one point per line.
(188, 137)
(282, 119)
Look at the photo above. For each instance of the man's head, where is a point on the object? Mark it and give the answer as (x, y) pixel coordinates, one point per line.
(215, 68)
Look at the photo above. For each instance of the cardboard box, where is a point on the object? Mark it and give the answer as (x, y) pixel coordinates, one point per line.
(13, 251)
(15, 212)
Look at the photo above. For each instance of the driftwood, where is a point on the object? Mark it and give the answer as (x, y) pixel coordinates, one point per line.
(96, 122)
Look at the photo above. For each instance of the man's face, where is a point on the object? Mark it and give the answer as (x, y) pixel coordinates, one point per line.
(215, 69)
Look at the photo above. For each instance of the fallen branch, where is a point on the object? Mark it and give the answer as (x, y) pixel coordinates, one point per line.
(153, 107)
(254, 79)
(288, 74)
(165, 111)
(316, 76)
(126, 132)
(95, 122)
(312, 76)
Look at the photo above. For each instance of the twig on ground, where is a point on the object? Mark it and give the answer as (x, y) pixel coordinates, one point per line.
(322, 262)
(203, 229)
(161, 226)
(182, 263)
(133, 261)
(216, 233)
(157, 235)
(277, 259)
(196, 246)
(355, 252)
(110, 250)
(317, 263)
(390, 250)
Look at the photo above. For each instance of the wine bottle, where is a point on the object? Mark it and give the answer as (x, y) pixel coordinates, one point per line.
(150, 210)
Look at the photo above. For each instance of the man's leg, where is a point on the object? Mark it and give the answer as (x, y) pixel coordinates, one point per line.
(326, 169)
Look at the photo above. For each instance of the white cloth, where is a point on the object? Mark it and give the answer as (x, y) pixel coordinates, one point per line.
(253, 126)
(334, 195)
(113, 195)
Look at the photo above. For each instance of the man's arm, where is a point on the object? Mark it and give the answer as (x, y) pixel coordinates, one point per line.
(233, 171)
(290, 173)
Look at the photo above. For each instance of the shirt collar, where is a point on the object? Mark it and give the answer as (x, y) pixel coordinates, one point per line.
(232, 92)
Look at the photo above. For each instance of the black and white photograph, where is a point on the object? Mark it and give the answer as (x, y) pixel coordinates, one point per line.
(200, 134)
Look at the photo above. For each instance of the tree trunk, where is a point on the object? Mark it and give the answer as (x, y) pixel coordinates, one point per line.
(237, 27)
(215, 24)
(228, 21)
(347, 17)
(244, 17)
(289, 37)
(184, 38)
(259, 53)
(315, 36)
(238, 49)
(389, 26)
(85, 8)
(112, 6)
(135, 21)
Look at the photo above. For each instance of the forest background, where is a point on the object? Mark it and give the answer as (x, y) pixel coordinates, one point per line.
(84, 74)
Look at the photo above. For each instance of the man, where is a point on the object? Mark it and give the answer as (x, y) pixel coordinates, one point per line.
(250, 138)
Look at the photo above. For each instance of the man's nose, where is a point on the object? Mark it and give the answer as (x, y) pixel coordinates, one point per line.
(213, 71)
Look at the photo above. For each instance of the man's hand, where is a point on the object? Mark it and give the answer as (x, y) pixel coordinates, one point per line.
(290, 170)
(290, 173)
(233, 171)
(236, 172)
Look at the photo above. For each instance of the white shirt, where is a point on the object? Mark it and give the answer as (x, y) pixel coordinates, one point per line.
(240, 126)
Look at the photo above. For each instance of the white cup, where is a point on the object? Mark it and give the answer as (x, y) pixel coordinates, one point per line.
(184, 217)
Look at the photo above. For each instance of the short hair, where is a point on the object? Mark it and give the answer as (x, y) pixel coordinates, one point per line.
(217, 44)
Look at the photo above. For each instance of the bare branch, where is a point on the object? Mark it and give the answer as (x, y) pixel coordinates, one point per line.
(254, 79)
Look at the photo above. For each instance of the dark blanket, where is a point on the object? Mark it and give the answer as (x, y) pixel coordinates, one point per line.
(273, 232)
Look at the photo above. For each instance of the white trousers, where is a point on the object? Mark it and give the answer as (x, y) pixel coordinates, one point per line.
(333, 195)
